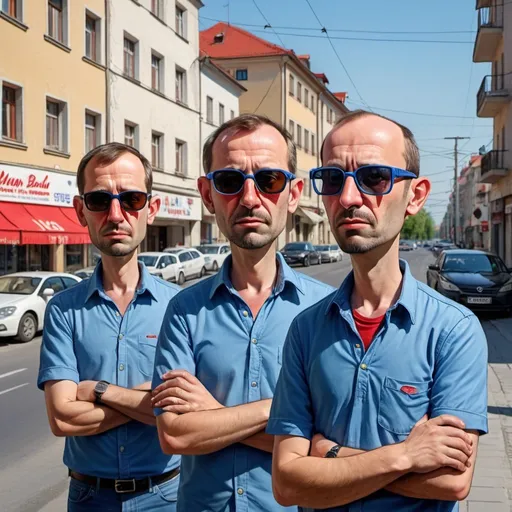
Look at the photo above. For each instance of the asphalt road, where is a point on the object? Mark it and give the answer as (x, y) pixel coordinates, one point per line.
(31, 471)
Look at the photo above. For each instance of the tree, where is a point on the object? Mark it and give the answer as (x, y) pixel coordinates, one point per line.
(419, 226)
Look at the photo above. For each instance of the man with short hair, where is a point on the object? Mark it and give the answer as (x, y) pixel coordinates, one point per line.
(99, 344)
(221, 339)
(393, 374)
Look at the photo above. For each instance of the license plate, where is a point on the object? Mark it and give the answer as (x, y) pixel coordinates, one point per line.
(479, 300)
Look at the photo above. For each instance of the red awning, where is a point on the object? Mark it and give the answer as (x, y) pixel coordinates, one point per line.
(43, 224)
(9, 233)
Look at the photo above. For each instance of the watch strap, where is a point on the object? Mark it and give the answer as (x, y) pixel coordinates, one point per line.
(333, 452)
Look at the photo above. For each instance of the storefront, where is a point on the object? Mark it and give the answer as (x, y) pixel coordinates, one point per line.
(508, 231)
(178, 223)
(39, 229)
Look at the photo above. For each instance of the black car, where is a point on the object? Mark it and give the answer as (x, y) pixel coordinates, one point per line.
(477, 279)
(301, 252)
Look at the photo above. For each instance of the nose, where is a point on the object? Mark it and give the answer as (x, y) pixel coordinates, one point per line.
(115, 212)
(250, 197)
(350, 195)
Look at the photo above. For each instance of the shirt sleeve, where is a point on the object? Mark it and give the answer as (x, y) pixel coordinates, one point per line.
(460, 375)
(174, 348)
(57, 357)
(291, 413)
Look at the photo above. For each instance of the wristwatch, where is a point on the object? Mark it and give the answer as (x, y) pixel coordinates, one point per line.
(99, 389)
(333, 452)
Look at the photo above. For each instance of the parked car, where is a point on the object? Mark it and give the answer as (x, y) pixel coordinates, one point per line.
(214, 255)
(161, 264)
(191, 260)
(477, 279)
(23, 299)
(442, 246)
(404, 245)
(329, 253)
(84, 273)
(301, 252)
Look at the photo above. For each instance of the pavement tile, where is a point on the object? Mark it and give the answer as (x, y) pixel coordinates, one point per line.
(488, 507)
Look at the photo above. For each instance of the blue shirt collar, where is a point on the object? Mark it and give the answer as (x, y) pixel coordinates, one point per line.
(146, 282)
(285, 275)
(407, 299)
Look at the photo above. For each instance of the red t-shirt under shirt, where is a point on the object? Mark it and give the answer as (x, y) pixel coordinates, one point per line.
(367, 327)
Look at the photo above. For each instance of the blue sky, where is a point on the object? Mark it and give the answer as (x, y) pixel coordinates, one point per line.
(438, 78)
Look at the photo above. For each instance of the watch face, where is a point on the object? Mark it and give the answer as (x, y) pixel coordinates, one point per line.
(101, 387)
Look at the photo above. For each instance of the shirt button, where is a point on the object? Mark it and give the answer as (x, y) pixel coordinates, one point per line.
(120, 336)
(254, 384)
(121, 449)
(117, 313)
(363, 367)
(357, 345)
(254, 341)
(245, 313)
(240, 491)
(121, 367)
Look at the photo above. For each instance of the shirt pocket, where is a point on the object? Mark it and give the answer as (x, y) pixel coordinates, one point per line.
(146, 355)
(402, 404)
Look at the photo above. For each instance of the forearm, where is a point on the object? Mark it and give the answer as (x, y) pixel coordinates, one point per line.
(260, 441)
(133, 403)
(202, 432)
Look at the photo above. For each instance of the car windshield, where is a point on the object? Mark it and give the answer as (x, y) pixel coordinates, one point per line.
(208, 249)
(322, 248)
(295, 247)
(475, 263)
(148, 260)
(22, 285)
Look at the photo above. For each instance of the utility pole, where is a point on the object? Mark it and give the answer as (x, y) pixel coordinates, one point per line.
(456, 214)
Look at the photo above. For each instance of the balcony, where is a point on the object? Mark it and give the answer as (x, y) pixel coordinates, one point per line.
(493, 95)
(483, 3)
(489, 35)
(493, 166)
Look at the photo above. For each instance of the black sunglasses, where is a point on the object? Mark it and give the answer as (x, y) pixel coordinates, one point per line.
(229, 182)
(100, 200)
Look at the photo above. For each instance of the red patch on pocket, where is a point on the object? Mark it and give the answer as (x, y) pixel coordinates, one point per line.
(152, 336)
(410, 390)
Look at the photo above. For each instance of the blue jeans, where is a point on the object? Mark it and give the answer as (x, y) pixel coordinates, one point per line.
(84, 497)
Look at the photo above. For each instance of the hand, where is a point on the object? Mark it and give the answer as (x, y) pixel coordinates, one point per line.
(85, 391)
(436, 443)
(182, 392)
(320, 445)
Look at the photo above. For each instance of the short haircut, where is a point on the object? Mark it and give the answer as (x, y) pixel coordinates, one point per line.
(249, 122)
(411, 154)
(107, 154)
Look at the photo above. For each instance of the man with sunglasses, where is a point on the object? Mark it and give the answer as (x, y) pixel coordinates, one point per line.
(99, 345)
(219, 351)
(393, 374)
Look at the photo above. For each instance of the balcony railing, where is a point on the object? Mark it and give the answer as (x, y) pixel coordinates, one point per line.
(493, 94)
(490, 33)
(493, 166)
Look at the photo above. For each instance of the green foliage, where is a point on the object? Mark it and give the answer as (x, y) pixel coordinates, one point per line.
(419, 227)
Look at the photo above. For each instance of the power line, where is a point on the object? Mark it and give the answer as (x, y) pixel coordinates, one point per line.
(268, 23)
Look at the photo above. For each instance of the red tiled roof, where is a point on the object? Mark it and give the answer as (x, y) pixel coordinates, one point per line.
(236, 43)
(322, 77)
(342, 96)
(304, 57)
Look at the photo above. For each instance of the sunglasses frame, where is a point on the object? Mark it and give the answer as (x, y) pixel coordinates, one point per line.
(396, 172)
(288, 175)
(115, 196)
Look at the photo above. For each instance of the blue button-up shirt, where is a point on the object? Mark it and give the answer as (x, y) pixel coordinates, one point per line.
(329, 384)
(86, 338)
(209, 331)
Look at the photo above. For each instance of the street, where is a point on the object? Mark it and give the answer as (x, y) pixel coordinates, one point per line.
(34, 478)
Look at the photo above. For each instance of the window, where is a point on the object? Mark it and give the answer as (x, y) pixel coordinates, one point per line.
(232, 114)
(129, 57)
(91, 38)
(130, 135)
(306, 98)
(306, 141)
(291, 129)
(184, 256)
(156, 72)
(12, 8)
(92, 131)
(181, 157)
(156, 150)
(221, 113)
(241, 74)
(157, 8)
(299, 92)
(56, 125)
(299, 136)
(291, 86)
(209, 110)
(181, 22)
(11, 113)
(313, 149)
(181, 84)
(312, 103)
(56, 20)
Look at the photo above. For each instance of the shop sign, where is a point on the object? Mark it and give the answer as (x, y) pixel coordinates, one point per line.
(23, 185)
(179, 207)
(484, 225)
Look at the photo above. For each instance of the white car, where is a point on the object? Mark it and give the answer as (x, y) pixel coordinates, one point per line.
(23, 299)
(162, 264)
(191, 261)
(214, 255)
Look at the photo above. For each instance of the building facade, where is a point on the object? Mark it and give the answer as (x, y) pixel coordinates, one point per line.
(493, 44)
(53, 84)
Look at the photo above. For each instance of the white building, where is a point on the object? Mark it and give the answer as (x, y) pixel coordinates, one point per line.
(220, 95)
(154, 104)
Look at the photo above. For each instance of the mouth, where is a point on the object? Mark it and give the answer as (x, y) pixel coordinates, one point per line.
(116, 235)
(249, 222)
(354, 223)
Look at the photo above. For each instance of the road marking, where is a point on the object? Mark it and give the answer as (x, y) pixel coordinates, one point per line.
(12, 389)
(8, 374)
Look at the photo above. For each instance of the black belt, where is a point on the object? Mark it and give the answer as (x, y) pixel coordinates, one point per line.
(122, 486)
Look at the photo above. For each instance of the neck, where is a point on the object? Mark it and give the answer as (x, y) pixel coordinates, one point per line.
(377, 280)
(253, 268)
(120, 273)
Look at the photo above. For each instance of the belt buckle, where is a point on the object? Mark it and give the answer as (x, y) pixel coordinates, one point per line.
(119, 486)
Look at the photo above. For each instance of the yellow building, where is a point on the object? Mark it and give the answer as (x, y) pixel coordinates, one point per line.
(282, 86)
(52, 76)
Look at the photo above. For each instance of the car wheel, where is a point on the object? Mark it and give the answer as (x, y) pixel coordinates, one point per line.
(215, 267)
(181, 278)
(306, 261)
(27, 328)
(203, 272)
